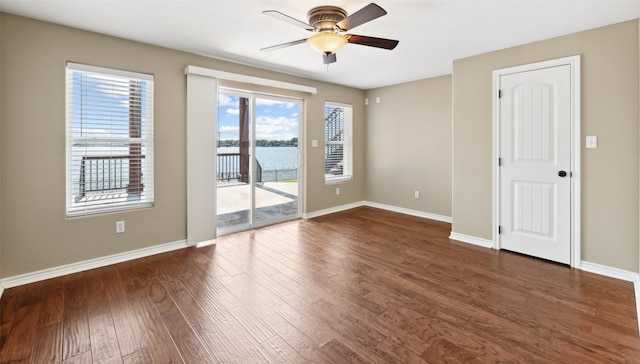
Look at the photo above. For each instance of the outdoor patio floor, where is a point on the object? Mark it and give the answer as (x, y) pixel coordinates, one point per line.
(274, 200)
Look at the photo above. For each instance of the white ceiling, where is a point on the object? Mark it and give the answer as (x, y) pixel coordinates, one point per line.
(431, 33)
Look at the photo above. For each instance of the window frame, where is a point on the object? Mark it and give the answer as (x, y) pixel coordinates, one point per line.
(140, 148)
(347, 143)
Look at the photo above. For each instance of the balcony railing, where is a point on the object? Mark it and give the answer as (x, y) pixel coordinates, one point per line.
(228, 166)
(231, 168)
(107, 173)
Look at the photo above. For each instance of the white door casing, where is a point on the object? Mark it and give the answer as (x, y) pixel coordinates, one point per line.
(536, 142)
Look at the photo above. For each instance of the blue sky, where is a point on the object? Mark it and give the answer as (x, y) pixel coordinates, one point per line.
(99, 107)
(276, 120)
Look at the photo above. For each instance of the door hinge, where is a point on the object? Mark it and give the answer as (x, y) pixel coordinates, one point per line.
(499, 94)
(499, 162)
(499, 229)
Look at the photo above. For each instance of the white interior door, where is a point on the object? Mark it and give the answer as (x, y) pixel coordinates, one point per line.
(535, 163)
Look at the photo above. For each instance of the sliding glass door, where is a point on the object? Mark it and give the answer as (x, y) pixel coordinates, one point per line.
(258, 179)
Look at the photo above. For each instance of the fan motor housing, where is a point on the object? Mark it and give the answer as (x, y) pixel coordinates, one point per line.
(323, 18)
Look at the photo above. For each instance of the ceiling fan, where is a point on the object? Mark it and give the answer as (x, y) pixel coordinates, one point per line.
(330, 23)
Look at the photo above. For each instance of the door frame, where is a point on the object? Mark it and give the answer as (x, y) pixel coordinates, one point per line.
(574, 64)
(252, 96)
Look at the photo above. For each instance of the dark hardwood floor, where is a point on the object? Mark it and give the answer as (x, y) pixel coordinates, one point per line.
(360, 286)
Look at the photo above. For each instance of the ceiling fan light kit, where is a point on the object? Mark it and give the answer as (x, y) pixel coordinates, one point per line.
(328, 22)
(327, 42)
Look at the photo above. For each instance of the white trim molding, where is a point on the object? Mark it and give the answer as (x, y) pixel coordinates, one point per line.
(402, 210)
(207, 72)
(62, 270)
(604, 270)
(636, 285)
(311, 215)
(485, 243)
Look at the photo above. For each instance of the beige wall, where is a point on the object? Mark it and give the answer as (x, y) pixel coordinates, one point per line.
(409, 145)
(35, 232)
(610, 100)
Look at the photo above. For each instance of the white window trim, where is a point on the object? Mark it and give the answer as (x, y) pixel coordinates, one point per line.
(348, 177)
(147, 140)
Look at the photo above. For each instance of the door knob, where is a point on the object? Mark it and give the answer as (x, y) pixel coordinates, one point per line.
(562, 173)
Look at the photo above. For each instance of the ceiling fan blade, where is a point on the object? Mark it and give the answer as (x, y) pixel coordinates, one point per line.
(328, 58)
(372, 41)
(278, 15)
(283, 45)
(366, 14)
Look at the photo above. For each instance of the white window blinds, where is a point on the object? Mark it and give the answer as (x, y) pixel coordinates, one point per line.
(338, 160)
(109, 139)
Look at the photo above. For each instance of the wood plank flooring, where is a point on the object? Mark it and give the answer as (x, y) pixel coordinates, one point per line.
(360, 286)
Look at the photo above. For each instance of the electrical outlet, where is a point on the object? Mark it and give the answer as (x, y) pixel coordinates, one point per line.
(119, 227)
(337, 190)
(416, 194)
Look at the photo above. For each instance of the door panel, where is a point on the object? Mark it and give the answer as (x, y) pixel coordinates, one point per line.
(533, 215)
(258, 181)
(535, 146)
(234, 173)
(276, 187)
(534, 120)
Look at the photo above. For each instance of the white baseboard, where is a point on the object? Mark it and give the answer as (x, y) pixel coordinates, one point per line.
(619, 274)
(402, 210)
(603, 270)
(636, 285)
(332, 210)
(485, 243)
(88, 264)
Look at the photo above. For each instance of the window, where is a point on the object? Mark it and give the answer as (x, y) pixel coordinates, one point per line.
(109, 140)
(338, 151)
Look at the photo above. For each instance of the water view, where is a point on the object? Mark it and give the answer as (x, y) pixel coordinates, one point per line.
(278, 163)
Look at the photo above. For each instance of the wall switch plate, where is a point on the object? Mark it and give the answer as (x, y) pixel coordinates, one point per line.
(314, 143)
(377, 99)
(337, 190)
(119, 227)
(416, 194)
(366, 101)
(592, 141)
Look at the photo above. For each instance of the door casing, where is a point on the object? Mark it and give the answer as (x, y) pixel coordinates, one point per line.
(574, 63)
